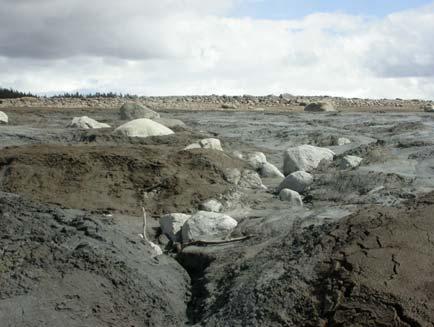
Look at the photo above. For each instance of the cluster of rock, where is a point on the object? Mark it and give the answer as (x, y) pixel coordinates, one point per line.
(202, 226)
(243, 102)
(299, 164)
(143, 122)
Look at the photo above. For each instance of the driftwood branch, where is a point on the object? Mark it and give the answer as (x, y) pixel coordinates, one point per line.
(206, 242)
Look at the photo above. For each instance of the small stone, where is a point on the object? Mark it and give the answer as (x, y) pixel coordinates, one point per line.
(298, 181)
(256, 160)
(212, 205)
(269, 170)
(348, 162)
(293, 197)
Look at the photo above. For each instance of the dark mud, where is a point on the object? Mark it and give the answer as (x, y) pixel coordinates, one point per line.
(69, 268)
(358, 253)
(373, 268)
(115, 178)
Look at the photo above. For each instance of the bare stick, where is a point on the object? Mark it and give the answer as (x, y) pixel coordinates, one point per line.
(203, 242)
(145, 236)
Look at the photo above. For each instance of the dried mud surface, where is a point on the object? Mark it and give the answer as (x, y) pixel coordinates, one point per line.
(360, 253)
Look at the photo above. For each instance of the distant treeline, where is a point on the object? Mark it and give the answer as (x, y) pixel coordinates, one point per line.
(11, 93)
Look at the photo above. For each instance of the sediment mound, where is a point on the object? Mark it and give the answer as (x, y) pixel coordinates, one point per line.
(373, 268)
(115, 177)
(67, 268)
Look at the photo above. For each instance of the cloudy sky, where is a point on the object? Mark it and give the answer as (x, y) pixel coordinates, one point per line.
(360, 48)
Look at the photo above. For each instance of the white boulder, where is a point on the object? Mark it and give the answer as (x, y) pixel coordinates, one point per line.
(171, 225)
(211, 205)
(85, 122)
(3, 118)
(210, 143)
(134, 110)
(305, 157)
(256, 160)
(298, 181)
(143, 128)
(270, 170)
(348, 162)
(343, 141)
(207, 226)
(293, 197)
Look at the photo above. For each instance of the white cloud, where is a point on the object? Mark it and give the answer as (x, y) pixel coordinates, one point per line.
(193, 47)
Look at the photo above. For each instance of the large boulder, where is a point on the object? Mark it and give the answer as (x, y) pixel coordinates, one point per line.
(305, 157)
(171, 225)
(293, 197)
(207, 226)
(319, 107)
(349, 162)
(169, 122)
(298, 181)
(270, 170)
(85, 122)
(3, 118)
(134, 110)
(143, 128)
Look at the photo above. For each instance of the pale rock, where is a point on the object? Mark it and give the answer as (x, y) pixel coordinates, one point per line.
(305, 157)
(298, 181)
(193, 146)
(211, 143)
(293, 197)
(133, 110)
(270, 170)
(256, 160)
(212, 205)
(207, 226)
(232, 175)
(343, 141)
(251, 179)
(85, 122)
(4, 119)
(348, 162)
(143, 128)
(171, 225)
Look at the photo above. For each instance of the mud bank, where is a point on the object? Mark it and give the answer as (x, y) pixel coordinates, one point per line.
(357, 253)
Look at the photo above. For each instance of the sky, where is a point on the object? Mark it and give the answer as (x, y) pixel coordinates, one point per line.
(369, 49)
